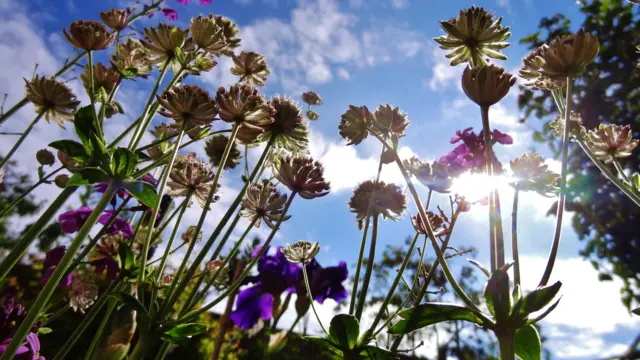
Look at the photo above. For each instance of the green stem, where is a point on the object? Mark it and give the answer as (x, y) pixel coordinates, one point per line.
(494, 237)
(434, 242)
(396, 281)
(194, 314)
(310, 296)
(34, 230)
(58, 313)
(137, 134)
(101, 328)
(281, 310)
(514, 237)
(506, 342)
(15, 202)
(562, 195)
(500, 252)
(143, 346)
(621, 172)
(362, 299)
(20, 140)
(161, 187)
(58, 273)
(92, 92)
(87, 319)
(363, 243)
(164, 258)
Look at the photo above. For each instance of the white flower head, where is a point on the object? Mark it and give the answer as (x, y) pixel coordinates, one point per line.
(84, 291)
(301, 252)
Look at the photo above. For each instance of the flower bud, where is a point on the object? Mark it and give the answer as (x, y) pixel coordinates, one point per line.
(301, 252)
(61, 181)
(311, 98)
(498, 295)
(45, 157)
(486, 85)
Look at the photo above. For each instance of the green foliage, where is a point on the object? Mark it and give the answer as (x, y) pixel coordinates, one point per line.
(527, 343)
(344, 331)
(182, 332)
(432, 313)
(607, 93)
(535, 301)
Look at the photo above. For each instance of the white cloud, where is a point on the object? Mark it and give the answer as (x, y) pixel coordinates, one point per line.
(443, 75)
(343, 73)
(399, 4)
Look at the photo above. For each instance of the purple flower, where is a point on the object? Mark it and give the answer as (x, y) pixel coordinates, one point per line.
(51, 260)
(183, 2)
(71, 221)
(205, 2)
(33, 348)
(11, 316)
(470, 154)
(5, 344)
(170, 14)
(106, 263)
(119, 225)
(326, 283)
(149, 179)
(500, 137)
(253, 304)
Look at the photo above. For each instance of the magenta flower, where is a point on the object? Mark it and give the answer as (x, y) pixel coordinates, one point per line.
(170, 14)
(11, 316)
(51, 260)
(5, 344)
(205, 2)
(119, 225)
(71, 221)
(106, 263)
(470, 154)
(183, 2)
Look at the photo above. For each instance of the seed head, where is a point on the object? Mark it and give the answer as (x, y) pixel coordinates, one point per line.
(533, 174)
(438, 223)
(190, 235)
(311, 98)
(243, 104)
(189, 174)
(208, 35)
(486, 85)
(532, 65)
(385, 199)
(354, 124)
(52, 98)
(251, 67)
(215, 146)
(103, 77)
(115, 19)
(162, 42)
(69, 163)
(575, 129)
(568, 55)
(389, 121)
(609, 142)
(264, 202)
(132, 59)
(61, 180)
(288, 130)
(301, 252)
(188, 105)
(304, 176)
(45, 157)
(88, 35)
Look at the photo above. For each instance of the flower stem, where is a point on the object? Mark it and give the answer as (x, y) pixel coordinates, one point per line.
(34, 230)
(194, 314)
(224, 320)
(488, 152)
(58, 313)
(434, 242)
(137, 134)
(171, 295)
(97, 336)
(310, 296)
(363, 242)
(362, 299)
(394, 285)
(562, 195)
(621, 171)
(176, 227)
(20, 140)
(58, 273)
(161, 187)
(281, 310)
(514, 237)
(506, 342)
(28, 191)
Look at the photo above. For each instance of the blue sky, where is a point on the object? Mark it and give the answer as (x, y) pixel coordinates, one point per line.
(362, 53)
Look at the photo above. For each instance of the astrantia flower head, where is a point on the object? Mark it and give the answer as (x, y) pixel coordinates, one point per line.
(486, 85)
(243, 104)
(264, 202)
(141, 237)
(311, 98)
(52, 98)
(389, 121)
(533, 174)
(188, 105)
(438, 223)
(355, 123)
(115, 19)
(103, 77)
(88, 35)
(610, 142)
(304, 176)
(301, 252)
(162, 42)
(575, 128)
(251, 67)
(199, 133)
(288, 130)
(189, 174)
(214, 268)
(532, 64)
(230, 32)
(208, 34)
(473, 34)
(132, 59)
(161, 132)
(385, 199)
(568, 55)
(190, 235)
(434, 176)
(83, 292)
(199, 63)
(215, 146)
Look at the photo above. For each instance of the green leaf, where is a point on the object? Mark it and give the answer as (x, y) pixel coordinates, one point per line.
(545, 313)
(497, 295)
(123, 163)
(376, 353)
(127, 259)
(44, 330)
(605, 277)
(77, 180)
(432, 313)
(142, 191)
(324, 343)
(636, 311)
(344, 330)
(479, 266)
(527, 343)
(183, 331)
(84, 126)
(535, 300)
(635, 180)
(91, 176)
(130, 301)
(72, 148)
(394, 143)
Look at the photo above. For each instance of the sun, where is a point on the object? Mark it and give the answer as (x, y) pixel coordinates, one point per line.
(477, 186)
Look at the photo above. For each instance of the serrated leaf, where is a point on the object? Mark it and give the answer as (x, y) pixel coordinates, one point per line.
(130, 301)
(432, 313)
(344, 331)
(535, 300)
(142, 191)
(123, 163)
(527, 343)
(72, 148)
(84, 126)
(182, 332)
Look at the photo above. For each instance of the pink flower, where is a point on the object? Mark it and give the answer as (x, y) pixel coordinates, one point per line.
(205, 2)
(183, 2)
(170, 14)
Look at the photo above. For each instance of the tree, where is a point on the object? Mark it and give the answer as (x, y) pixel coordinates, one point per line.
(607, 92)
